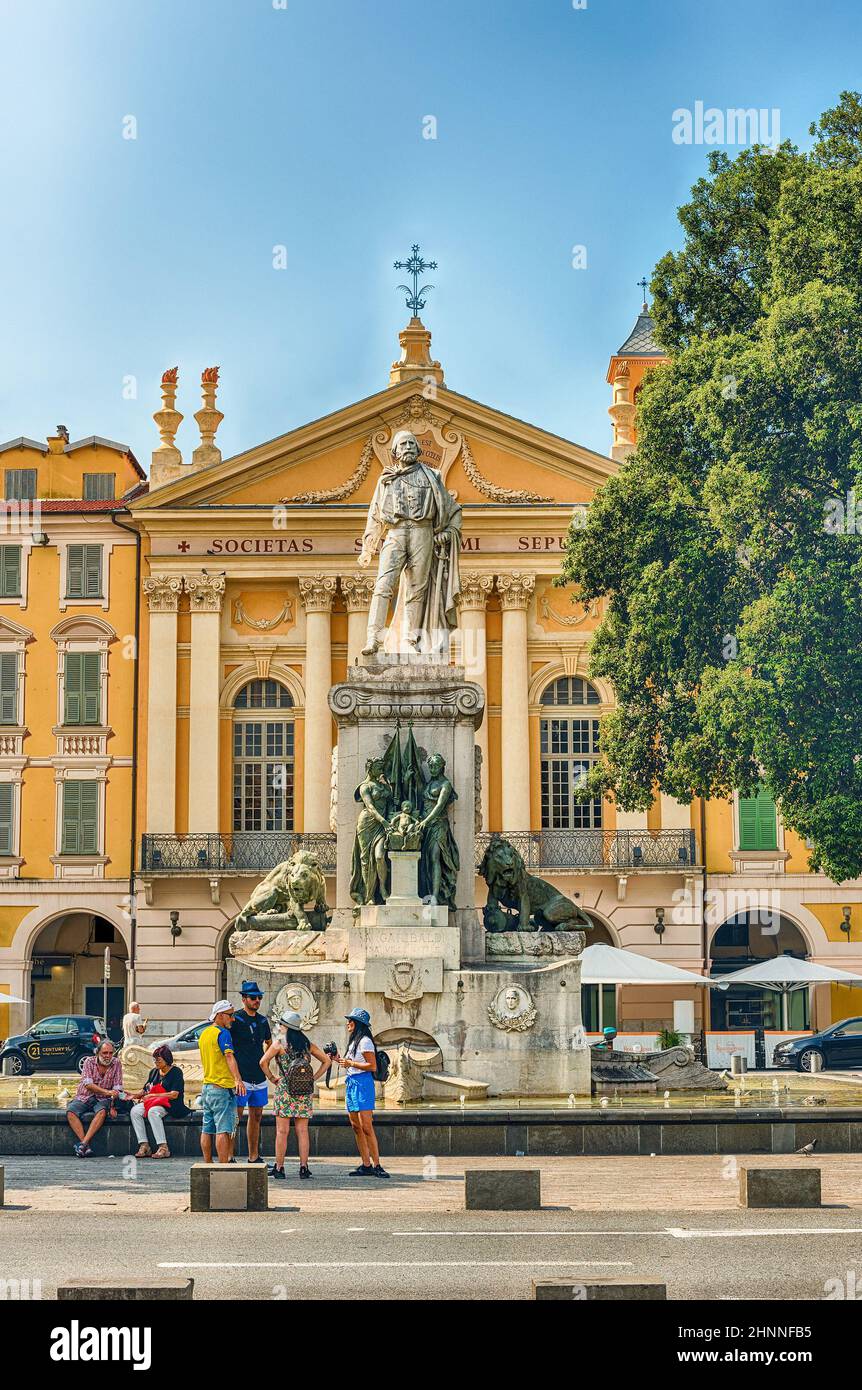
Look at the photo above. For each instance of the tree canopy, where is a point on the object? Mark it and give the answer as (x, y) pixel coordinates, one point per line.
(728, 547)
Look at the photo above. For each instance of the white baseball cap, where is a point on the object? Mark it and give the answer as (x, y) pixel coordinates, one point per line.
(224, 1006)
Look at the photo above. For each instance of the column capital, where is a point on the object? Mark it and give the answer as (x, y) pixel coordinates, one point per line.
(515, 590)
(205, 591)
(317, 592)
(475, 589)
(163, 592)
(357, 591)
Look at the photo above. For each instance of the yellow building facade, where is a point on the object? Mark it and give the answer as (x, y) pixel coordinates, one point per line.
(252, 605)
(68, 580)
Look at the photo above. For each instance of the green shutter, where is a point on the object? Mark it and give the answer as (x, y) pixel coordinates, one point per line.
(10, 571)
(75, 571)
(82, 700)
(8, 688)
(758, 823)
(80, 818)
(6, 810)
(92, 571)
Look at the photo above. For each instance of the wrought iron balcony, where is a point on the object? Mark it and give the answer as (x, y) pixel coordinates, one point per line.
(568, 851)
(243, 852)
(563, 851)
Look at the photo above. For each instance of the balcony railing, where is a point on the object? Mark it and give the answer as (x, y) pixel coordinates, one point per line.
(563, 851)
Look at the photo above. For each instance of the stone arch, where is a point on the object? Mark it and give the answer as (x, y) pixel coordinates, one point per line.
(32, 925)
(248, 671)
(83, 627)
(552, 671)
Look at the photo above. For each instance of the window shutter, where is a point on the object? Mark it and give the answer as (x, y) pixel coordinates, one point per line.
(75, 571)
(6, 811)
(80, 818)
(10, 571)
(91, 688)
(758, 826)
(89, 817)
(9, 688)
(92, 571)
(72, 707)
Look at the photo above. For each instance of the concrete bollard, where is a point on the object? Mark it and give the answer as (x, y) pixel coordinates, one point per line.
(598, 1290)
(2, 1184)
(7, 1065)
(139, 1291)
(816, 1063)
(738, 1064)
(779, 1187)
(503, 1189)
(228, 1187)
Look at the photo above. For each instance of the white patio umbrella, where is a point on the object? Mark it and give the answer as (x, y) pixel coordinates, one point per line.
(608, 965)
(785, 974)
(12, 999)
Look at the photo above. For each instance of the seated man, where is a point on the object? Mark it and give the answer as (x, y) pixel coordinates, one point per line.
(100, 1085)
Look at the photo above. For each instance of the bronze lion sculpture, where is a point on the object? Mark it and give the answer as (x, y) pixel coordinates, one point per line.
(285, 892)
(520, 901)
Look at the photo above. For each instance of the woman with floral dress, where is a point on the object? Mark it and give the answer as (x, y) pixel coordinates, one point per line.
(294, 1088)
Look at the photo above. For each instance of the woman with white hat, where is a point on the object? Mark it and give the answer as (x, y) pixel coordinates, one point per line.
(294, 1088)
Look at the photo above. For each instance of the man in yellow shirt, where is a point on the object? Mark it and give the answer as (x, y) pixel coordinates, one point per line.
(222, 1083)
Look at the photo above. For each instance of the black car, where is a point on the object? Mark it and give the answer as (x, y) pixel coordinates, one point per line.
(839, 1045)
(58, 1043)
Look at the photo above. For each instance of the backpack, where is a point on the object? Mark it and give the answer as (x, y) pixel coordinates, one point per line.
(298, 1074)
(383, 1065)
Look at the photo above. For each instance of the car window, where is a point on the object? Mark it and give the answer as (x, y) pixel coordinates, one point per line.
(853, 1027)
(51, 1027)
(196, 1032)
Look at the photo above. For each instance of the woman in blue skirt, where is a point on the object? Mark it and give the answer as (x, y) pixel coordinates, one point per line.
(360, 1060)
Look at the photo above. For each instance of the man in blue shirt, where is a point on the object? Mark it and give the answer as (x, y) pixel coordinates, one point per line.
(251, 1035)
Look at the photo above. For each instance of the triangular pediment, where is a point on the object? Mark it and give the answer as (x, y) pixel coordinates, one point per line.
(486, 457)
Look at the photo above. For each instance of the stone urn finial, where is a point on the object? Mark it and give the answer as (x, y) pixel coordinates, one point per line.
(167, 459)
(209, 418)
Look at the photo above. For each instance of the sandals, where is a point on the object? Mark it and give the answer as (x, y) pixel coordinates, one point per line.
(162, 1151)
(144, 1151)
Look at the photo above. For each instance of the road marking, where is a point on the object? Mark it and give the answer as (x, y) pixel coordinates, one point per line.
(354, 1228)
(671, 1232)
(743, 1233)
(392, 1264)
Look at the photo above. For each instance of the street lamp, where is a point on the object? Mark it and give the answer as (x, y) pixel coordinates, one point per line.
(846, 923)
(659, 928)
(176, 929)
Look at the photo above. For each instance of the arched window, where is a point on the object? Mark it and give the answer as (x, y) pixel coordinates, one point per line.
(569, 744)
(263, 767)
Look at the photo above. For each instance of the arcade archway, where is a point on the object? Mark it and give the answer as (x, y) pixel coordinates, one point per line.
(748, 938)
(68, 963)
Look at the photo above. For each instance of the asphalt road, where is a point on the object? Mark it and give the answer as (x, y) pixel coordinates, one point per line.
(461, 1255)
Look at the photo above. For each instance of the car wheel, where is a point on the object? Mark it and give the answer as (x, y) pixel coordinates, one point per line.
(16, 1063)
(79, 1065)
(807, 1057)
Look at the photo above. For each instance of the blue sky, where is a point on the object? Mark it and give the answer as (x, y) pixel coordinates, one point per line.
(302, 127)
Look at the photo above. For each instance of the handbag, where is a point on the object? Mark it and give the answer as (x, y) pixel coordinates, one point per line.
(156, 1095)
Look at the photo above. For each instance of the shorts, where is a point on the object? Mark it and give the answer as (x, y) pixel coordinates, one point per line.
(88, 1107)
(219, 1109)
(255, 1096)
(359, 1091)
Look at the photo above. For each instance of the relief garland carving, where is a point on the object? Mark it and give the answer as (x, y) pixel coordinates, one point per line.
(262, 624)
(588, 610)
(491, 490)
(343, 490)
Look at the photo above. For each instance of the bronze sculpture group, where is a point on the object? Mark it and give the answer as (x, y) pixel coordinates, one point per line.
(403, 807)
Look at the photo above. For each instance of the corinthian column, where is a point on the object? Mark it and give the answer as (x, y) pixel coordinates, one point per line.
(357, 592)
(206, 594)
(162, 592)
(516, 591)
(317, 592)
(475, 589)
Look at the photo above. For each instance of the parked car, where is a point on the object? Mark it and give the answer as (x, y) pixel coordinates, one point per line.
(59, 1043)
(186, 1041)
(839, 1045)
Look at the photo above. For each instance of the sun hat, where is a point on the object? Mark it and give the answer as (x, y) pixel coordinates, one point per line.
(291, 1019)
(359, 1016)
(224, 1006)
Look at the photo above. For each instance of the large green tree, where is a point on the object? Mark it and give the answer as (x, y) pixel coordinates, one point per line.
(729, 546)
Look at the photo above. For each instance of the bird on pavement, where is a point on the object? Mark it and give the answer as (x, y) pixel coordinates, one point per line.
(808, 1148)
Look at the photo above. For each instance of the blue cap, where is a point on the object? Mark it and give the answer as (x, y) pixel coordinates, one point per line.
(250, 989)
(359, 1016)
(608, 1031)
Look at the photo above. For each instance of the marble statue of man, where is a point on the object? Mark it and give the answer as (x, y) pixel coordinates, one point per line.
(415, 523)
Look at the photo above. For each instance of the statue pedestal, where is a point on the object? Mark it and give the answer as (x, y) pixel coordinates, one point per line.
(404, 887)
(444, 710)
